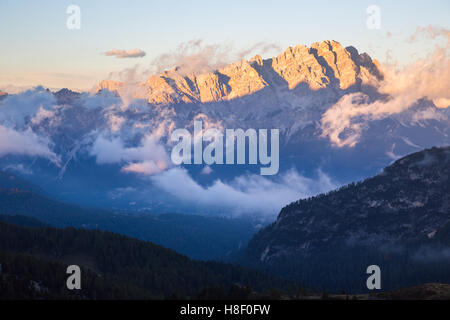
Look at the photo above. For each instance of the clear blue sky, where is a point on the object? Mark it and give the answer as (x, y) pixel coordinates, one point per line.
(37, 48)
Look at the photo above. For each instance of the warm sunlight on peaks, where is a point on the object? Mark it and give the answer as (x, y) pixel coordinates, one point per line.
(325, 64)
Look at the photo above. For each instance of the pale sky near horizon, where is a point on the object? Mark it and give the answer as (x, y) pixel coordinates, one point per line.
(37, 48)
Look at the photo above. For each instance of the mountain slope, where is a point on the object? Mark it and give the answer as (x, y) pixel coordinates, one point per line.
(196, 236)
(9, 180)
(111, 260)
(399, 219)
(23, 221)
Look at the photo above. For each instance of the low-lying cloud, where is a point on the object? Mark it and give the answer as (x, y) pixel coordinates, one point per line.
(148, 158)
(16, 113)
(246, 194)
(16, 109)
(25, 143)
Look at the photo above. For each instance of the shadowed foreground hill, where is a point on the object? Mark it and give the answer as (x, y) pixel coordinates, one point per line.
(199, 237)
(428, 291)
(34, 260)
(399, 220)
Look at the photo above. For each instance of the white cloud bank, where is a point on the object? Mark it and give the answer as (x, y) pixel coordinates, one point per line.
(426, 78)
(247, 194)
(16, 109)
(24, 143)
(150, 157)
(196, 57)
(16, 112)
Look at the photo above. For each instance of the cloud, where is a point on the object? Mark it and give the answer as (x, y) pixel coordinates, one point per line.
(121, 192)
(121, 54)
(41, 115)
(206, 170)
(146, 167)
(426, 78)
(429, 113)
(17, 113)
(247, 194)
(195, 57)
(103, 100)
(442, 102)
(115, 122)
(24, 143)
(429, 32)
(391, 154)
(148, 158)
(16, 110)
(20, 168)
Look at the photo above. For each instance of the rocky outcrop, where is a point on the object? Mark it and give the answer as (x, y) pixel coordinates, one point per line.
(325, 64)
(109, 85)
(3, 95)
(66, 96)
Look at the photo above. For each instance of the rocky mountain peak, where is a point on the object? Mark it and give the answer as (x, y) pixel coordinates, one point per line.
(325, 64)
(109, 85)
(66, 96)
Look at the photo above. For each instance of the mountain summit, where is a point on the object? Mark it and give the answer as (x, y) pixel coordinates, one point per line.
(325, 64)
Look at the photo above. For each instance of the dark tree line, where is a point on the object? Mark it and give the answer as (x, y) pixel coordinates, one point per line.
(118, 266)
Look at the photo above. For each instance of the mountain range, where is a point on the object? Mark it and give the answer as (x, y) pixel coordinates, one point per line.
(324, 65)
(342, 117)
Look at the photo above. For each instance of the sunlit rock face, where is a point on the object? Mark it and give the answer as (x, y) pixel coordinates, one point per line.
(325, 64)
(109, 85)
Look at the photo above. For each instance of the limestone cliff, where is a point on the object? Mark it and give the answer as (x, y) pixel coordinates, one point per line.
(325, 64)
